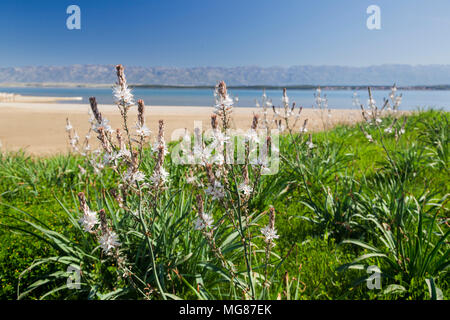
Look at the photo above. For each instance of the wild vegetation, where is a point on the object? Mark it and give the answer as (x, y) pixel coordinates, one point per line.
(297, 216)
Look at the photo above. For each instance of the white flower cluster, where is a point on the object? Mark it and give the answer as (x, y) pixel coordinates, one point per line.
(89, 220)
(109, 241)
(212, 153)
(396, 99)
(68, 126)
(245, 189)
(104, 124)
(142, 131)
(204, 221)
(222, 103)
(157, 144)
(159, 176)
(269, 233)
(216, 190)
(371, 103)
(113, 157)
(265, 104)
(132, 176)
(321, 102)
(122, 95)
(74, 141)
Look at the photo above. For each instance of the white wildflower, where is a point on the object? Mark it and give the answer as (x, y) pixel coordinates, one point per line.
(124, 153)
(89, 220)
(159, 176)
(104, 125)
(73, 143)
(223, 101)
(157, 144)
(82, 170)
(68, 126)
(109, 241)
(269, 233)
(216, 190)
(134, 176)
(123, 95)
(142, 131)
(190, 179)
(110, 157)
(220, 138)
(245, 189)
(310, 144)
(205, 221)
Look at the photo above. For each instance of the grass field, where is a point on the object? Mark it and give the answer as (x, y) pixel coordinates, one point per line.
(345, 201)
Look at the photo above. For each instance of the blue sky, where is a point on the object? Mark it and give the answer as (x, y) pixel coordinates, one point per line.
(189, 33)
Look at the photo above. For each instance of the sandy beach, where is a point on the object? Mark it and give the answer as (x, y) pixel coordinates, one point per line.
(39, 128)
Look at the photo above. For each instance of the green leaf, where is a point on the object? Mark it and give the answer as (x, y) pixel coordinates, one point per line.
(435, 292)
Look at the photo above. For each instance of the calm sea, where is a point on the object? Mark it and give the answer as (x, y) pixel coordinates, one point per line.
(339, 99)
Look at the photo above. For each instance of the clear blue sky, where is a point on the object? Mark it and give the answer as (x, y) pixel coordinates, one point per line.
(188, 33)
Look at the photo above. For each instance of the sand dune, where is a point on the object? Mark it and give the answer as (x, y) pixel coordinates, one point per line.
(39, 128)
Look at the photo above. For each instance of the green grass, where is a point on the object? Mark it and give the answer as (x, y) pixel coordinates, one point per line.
(332, 207)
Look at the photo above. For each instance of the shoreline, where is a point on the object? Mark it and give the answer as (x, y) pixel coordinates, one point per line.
(39, 129)
(348, 87)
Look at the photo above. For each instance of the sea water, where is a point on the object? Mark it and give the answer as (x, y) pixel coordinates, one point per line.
(339, 99)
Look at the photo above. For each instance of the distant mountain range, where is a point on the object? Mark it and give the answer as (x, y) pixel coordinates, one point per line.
(403, 75)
